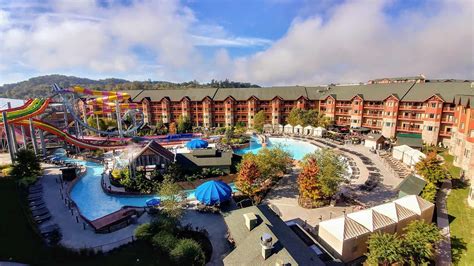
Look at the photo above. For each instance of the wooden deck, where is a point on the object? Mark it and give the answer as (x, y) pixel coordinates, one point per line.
(115, 218)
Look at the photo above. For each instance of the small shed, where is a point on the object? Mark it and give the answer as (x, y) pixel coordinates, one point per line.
(412, 157)
(373, 141)
(423, 208)
(288, 129)
(319, 131)
(298, 129)
(268, 128)
(308, 130)
(399, 151)
(411, 185)
(278, 128)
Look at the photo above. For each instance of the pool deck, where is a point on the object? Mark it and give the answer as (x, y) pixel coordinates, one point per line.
(284, 196)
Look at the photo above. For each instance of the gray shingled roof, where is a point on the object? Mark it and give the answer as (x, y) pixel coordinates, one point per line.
(242, 94)
(288, 247)
(369, 92)
(221, 158)
(447, 91)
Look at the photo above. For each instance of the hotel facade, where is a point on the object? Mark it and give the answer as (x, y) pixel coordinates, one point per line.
(437, 111)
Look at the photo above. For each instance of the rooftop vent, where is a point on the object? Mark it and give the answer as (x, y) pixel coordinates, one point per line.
(267, 245)
(250, 220)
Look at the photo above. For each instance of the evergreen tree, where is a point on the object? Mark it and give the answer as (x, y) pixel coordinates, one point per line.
(384, 249)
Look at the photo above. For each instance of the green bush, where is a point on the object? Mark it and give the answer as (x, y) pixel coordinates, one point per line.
(7, 171)
(26, 164)
(187, 252)
(429, 192)
(164, 241)
(144, 232)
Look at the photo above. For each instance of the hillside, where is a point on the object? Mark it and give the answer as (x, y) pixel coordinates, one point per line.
(41, 86)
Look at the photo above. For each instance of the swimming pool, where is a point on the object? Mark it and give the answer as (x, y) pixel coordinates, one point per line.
(297, 148)
(94, 203)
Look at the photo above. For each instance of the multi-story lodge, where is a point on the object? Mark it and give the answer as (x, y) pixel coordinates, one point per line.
(436, 110)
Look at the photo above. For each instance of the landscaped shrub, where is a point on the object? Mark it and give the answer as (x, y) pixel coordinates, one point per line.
(26, 164)
(144, 232)
(164, 241)
(7, 171)
(187, 252)
(429, 192)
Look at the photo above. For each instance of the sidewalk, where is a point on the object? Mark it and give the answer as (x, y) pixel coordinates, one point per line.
(444, 253)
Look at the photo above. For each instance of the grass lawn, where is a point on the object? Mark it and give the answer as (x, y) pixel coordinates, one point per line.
(20, 243)
(461, 226)
(448, 161)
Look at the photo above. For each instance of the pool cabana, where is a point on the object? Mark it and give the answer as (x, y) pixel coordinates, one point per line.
(298, 130)
(308, 130)
(267, 128)
(288, 129)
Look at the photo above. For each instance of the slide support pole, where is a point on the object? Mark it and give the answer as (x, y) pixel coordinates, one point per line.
(8, 134)
(33, 137)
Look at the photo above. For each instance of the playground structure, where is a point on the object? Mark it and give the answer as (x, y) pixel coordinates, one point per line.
(29, 115)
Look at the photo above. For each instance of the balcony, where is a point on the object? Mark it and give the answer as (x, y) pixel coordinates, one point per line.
(410, 108)
(372, 126)
(373, 115)
(448, 109)
(410, 118)
(409, 130)
(446, 121)
(445, 134)
(375, 106)
(344, 105)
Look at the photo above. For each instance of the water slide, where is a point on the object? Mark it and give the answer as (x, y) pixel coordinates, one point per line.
(21, 115)
(107, 101)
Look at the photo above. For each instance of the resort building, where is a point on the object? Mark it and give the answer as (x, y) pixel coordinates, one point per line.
(416, 106)
(262, 238)
(346, 236)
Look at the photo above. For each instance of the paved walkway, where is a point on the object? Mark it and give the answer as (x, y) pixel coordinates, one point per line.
(74, 235)
(283, 198)
(217, 229)
(444, 253)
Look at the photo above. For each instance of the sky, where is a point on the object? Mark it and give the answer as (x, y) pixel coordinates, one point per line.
(268, 42)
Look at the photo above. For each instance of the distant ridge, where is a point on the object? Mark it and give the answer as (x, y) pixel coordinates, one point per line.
(41, 86)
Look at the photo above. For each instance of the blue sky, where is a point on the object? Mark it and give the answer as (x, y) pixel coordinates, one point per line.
(270, 42)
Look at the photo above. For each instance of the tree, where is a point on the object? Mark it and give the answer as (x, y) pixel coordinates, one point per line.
(431, 168)
(161, 128)
(295, 117)
(308, 184)
(184, 124)
(172, 128)
(259, 121)
(164, 241)
(171, 198)
(384, 249)
(187, 252)
(322, 174)
(273, 162)
(248, 175)
(420, 239)
(26, 165)
(144, 232)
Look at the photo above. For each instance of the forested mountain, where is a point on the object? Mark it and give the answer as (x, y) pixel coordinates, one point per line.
(41, 86)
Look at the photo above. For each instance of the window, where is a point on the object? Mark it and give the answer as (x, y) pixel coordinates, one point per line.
(387, 124)
(471, 134)
(430, 128)
(462, 125)
(467, 153)
(432, 116)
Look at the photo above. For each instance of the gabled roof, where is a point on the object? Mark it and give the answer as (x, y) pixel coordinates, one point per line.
(264, 94)
(394, 211)
(414, 203)
(369, 92)
(156, 148)
(344, 228)
(411, 185)
(371, 219)
(445, 90)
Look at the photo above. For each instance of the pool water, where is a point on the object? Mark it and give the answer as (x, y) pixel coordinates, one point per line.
(94, 203)
(298, 149)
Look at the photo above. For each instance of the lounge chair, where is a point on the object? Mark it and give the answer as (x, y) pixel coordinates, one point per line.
(40, 212)
(35, 198)
(42, 218)
(46, 230)
(36, 203)
(35, 190)
(37, 207)
(36, 186)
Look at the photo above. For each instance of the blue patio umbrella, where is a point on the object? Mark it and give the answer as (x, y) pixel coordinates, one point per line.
(197, 144)
(213, 192)
(153, 202)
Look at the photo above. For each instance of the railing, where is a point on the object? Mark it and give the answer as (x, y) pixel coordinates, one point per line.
(410, 108)
(448, 109)
(413, 130)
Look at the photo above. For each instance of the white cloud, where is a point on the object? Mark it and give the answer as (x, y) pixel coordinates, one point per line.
(359, 42)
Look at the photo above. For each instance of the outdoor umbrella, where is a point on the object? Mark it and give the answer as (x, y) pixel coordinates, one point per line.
(213, 192)
(196, 144)
(153, 202)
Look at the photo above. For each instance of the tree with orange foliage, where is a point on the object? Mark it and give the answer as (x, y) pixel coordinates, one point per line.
(248, 175)
(308, 184)
(172, 128)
